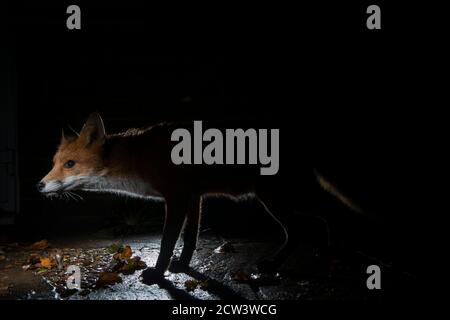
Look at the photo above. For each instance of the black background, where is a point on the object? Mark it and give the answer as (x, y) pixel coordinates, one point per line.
(360, 99)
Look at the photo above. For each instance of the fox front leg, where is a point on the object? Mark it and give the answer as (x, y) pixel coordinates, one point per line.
(175, 216)
(190, 237)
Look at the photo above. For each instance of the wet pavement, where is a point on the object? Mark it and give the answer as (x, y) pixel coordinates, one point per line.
(221, 269)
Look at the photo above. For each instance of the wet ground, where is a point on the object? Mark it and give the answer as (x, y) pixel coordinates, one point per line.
(221, 269)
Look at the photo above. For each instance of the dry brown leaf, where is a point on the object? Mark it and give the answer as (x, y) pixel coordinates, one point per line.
(46, 263)
(191, 285)
(132, 265)
(40, 245)
(124, 254)
(108, 278)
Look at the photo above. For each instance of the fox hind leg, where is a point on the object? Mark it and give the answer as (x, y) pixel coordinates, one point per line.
(276, 207)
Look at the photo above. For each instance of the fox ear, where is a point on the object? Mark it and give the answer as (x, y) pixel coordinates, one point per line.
(63, 136)
(68, 137)
(93, 130)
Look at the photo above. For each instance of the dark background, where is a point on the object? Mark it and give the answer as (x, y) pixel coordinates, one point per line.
(356, 97)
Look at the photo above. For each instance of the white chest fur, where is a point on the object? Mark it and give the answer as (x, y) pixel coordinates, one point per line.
(120, 185)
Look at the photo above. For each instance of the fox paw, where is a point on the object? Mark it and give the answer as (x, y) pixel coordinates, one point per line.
(178, 266)
(151, 276)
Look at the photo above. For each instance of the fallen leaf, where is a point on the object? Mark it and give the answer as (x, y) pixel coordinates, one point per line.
(123, 254)
(132, 265)
(115, 265)
(108, 278)
(46, 263)
(40, 245)
(191, 285)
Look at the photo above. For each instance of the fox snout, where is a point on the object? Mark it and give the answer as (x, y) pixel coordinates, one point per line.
(40, 186)
(47, 187)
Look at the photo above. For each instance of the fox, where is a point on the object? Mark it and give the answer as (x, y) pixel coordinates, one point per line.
(137, 163)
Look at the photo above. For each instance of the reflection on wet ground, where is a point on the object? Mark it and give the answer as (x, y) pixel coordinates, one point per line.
(218, 272)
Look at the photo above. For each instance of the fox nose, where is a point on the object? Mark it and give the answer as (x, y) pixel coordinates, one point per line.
(40, 186)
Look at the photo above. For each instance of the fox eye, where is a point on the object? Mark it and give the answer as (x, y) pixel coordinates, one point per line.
(69, 164)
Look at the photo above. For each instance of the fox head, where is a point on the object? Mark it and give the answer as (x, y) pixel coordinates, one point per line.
(78, 159)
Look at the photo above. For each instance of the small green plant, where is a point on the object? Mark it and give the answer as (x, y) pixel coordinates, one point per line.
(116, 247)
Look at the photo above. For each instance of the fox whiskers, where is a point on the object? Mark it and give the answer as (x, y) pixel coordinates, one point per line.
(67, 195)
(72, 195)
(75, 196)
